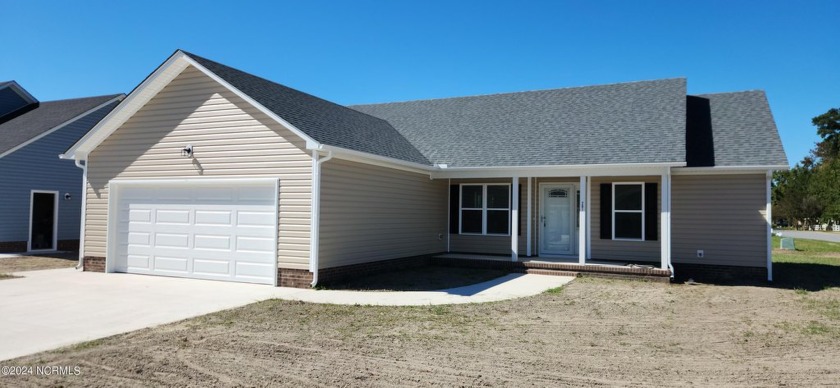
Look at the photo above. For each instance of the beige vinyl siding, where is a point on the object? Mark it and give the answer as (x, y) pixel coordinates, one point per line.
(488, 244)
(724, 215)
(609, 249)
(371, 213)
(231, 139)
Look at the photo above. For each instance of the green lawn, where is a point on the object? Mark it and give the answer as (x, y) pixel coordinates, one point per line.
(813, 266)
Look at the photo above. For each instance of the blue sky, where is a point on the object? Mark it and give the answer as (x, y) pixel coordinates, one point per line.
(361, 51)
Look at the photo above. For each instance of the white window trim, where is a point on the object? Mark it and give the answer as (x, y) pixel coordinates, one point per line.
(483, 209)
(642, 211)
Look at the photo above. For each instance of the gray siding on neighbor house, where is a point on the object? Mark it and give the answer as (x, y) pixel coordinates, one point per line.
(231, 137)
(10, 101)
(724, 215)
(371, 213)
(36, 166)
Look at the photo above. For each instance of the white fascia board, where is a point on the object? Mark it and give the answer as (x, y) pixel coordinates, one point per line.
(726, 170)
(138, 98)
(310, 142)
(253, 180)
(638, 169)
(62, 125)
(377, 160)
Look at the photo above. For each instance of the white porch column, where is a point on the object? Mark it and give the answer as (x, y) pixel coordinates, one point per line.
(665, 219)
(514, 219)
(769, 211)
(588, 218)
(529, 220)
(583, 225)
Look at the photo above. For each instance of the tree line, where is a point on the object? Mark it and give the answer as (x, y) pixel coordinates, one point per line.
(809, 193)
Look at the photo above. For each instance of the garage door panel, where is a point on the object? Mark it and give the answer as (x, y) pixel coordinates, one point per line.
(139, 261)
(171, 264)
(211, 267)
(253, 270)
(173, 216)
(201, 231)
(172, 240)
(214, 217)
(217, 242)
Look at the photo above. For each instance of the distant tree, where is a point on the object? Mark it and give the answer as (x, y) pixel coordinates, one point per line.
(828, 127)
(810, 191)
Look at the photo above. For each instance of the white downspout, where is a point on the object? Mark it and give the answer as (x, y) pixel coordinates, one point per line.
(315, 221)
(78, 162)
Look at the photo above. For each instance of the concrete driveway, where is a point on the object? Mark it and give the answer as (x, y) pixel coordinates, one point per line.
(824, 236)
(49, 309)
(53, 308)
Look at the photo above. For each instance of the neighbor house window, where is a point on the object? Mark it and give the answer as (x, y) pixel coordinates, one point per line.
(485, 209)
(628, 211)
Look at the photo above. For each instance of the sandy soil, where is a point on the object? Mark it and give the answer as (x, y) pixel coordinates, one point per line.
(34, 263)
(590, 333)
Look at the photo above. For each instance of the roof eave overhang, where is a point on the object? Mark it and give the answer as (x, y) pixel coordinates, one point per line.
(150, 87)
(729, 170)
(616, 169)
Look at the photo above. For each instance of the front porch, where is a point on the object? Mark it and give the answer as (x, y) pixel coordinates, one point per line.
(565, 266)
(606, 222)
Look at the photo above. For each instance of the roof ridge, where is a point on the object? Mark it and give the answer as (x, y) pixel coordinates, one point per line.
(523, 91)
(735, 92)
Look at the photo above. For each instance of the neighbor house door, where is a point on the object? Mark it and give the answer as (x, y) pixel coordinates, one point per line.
(43, 220)
(557, 221)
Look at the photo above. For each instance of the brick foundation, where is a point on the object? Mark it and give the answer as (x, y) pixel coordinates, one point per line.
(705, 273)
(68, 245)
(94, 264)
(297, 278)
(12, 246)
(622, 272)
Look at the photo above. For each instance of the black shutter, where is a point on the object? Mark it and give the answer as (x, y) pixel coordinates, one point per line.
(521, 226)
(651, 212)
(454, 198)
(606, 211)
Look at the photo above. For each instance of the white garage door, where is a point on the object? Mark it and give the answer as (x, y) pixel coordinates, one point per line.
(205, 231)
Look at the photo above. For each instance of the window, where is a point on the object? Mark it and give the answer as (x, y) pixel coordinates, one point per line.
(628, 211)
(485, 209)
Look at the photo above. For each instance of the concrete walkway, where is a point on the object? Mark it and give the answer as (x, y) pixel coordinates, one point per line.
(812, 235)
(49, 309)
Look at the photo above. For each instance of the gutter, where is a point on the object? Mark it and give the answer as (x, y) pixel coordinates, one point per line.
(79, 164)
(315, 220)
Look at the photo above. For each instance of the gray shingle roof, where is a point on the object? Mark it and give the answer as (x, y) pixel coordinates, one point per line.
(324, 121)
(744, 131)
(638, 122)
(46, 116)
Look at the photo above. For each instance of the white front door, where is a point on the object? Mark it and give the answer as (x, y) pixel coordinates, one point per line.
(557, 221)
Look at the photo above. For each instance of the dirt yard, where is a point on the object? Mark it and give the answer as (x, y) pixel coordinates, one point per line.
(590, 333)
(34, 263)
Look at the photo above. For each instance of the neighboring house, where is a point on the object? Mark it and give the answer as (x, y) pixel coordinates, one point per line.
(41, 194)
(205, 171)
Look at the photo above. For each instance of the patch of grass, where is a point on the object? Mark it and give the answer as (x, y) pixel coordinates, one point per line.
(4, 276)
(813, 266)
(83, 346)
(555, 290)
